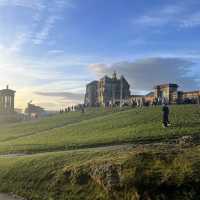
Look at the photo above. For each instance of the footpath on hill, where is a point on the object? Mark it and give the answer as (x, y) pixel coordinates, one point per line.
(8, 197)
(186, 141)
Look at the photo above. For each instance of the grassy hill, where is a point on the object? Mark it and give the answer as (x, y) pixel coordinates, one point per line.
(150, 171)
(98, 128)
(132, 174)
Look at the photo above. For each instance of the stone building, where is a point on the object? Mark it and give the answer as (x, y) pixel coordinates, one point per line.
(34, 111)
(113, 91)
(167, 93)
(7, 100)
(108, 91)
(142, 100)
(137, 100)
(116, 91)
(164, 93)
(189, 97)
(91, 96)
(149, 98)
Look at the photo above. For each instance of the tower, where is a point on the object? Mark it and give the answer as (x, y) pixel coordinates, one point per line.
(114, 76)
(7, 100)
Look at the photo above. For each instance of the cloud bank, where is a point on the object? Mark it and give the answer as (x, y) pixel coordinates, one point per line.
(65, 95)
(143, 74)
(177, 14)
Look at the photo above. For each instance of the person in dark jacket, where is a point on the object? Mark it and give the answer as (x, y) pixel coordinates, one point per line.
(82, 109)
(165, 110)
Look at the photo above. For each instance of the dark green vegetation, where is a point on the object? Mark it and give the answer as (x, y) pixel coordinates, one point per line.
(146, 172)
(159, 173)
(97, 128)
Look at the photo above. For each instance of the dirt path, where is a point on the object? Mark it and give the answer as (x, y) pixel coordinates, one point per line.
(122, 147)
(103, 148)
(173, 142)
(8, 197)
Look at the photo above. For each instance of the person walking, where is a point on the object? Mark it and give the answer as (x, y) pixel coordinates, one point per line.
(166, 111)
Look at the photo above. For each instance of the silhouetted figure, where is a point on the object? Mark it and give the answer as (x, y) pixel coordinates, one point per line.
(165, 110)
(82, 109)
(61, 111)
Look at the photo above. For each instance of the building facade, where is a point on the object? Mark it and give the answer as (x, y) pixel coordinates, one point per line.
(142, 100)
(137, 100)
(191, 97)
(7, 101)
(91, 96)
(34, 111)
(108, 91)
(166, 93)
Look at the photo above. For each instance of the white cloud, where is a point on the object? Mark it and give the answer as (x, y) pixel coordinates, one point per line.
(180, 15)
(33, 4)
(56, 73)
(47, 27)
(54, 14)
(191, 21)
(65, 95)
(143, 74)
(20, 40)
(42, 16)
(56, 51)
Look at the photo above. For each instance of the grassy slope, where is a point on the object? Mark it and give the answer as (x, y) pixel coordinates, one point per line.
(17, 130)
(9, 132)
(150, 173)
(99, 128)
(102, 174)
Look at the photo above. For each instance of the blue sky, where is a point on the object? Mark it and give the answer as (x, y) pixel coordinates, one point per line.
(49, 49)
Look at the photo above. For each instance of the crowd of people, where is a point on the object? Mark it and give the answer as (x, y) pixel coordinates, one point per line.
(165, 111)
(73, 109)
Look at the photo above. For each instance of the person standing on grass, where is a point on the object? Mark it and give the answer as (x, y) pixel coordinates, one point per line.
(165, 110)
(82, 109)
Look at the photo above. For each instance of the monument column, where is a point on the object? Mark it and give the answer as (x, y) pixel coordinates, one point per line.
(12, 104)
(8, 104)
(4, 102)
(1, 103)
(7, 100)
(9, 107)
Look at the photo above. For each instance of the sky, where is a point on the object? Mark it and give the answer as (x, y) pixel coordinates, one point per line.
(50, 49)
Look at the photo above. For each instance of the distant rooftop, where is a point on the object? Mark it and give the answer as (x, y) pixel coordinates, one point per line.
(166, 85)
(92, 83)
(7, 90)
(191, 92)
(150, 94)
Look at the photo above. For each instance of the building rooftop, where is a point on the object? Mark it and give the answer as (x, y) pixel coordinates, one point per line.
(166, 85)
(7, 91)
(150, 94)
(191, 92)
(106, 78)
(137, 96)
(93, 82)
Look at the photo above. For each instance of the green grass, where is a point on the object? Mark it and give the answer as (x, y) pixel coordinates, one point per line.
(17, 130)
(45, 176)
(157, 173)
(98, 128)
(150, 172)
